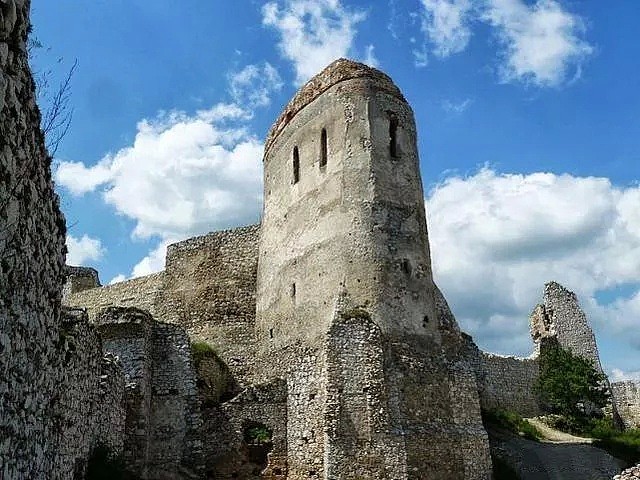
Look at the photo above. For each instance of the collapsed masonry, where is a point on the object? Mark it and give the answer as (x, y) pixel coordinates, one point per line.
(333, 342)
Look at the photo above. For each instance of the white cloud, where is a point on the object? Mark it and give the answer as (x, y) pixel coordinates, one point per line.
(118, 278)
(313, 33)
(84, 249)
(370, 57)
(497, 238)
(182, 175)
(618, 375)
(542, 41)
(154, 262)
(446, 25)
(254, 84)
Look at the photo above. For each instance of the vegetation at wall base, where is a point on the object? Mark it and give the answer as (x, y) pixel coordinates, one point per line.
(569, 383)
(511, 421)
(103, 464)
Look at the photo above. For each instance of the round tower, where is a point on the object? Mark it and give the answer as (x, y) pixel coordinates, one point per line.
(343, 211)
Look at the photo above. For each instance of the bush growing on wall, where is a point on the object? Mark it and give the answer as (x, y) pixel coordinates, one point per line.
(569, 385)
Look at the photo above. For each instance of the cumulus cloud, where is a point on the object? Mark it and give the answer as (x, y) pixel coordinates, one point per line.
(497, 238)
(83, 250)
(313, 33)
(254, 84)
(118, 278)
(181, 176)
(542, 42)
(446, 23)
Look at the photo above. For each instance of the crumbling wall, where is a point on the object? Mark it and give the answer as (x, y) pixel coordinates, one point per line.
(162, 419)
(626, 398)
(209, 288)
(36, 385)
(232, 452)
(78, 279)
(90, 409)
(561, 317)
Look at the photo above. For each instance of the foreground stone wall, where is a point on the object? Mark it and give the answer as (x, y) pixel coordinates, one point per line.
(91, 409)
(163, 421)
(626, 398)
(54, 384)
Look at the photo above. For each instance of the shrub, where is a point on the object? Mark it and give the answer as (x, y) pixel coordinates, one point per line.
(569, 385)
(257, 434)
(510, 421)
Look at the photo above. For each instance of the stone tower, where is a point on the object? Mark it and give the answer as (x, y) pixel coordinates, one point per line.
(346, 306)
(343, 210)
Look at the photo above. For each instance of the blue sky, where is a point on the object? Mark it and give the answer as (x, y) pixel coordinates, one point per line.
(527, 123)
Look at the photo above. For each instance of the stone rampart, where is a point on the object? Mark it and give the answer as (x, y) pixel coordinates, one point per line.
(79, 279)
(626, 398)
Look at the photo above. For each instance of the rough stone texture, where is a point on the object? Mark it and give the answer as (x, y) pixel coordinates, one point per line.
(91, 408)
(163, 422)
(78, 279)
(561, 317)
(626, 397)
(56, 390)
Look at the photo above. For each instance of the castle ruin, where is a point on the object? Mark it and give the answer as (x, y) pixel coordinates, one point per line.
(327, 328)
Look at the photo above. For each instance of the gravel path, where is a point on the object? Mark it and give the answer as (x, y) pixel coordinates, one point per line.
(554, 461)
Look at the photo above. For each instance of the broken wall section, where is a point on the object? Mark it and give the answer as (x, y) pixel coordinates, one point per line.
(162, 419)
(626, 398)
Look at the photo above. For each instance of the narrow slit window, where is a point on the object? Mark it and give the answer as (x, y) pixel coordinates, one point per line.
(393, 136)
(296, 165)
(323, 148)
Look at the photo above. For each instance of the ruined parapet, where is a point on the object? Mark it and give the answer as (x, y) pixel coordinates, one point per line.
(560, 317)
(626, 398)
(163, 423)
(78, 279)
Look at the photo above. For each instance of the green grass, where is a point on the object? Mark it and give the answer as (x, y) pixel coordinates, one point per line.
(510, 421)
(200, 351)
(624, 445)
(258, 435)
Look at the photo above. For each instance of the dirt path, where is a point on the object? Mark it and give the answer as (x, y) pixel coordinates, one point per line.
(556, 436)
(570, 460)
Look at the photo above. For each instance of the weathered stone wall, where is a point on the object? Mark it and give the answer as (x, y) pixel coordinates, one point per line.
(55, 387)
(79, 279)
(626, 398)
(561, 317)
(508, 383)
(91, 408)
(163, 422)
(357, 222)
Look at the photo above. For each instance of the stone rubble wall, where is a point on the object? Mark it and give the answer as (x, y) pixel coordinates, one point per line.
(91, 409)
(56, 390)
(561, 316)
(79, 279)
(626, 398)
(163, 422)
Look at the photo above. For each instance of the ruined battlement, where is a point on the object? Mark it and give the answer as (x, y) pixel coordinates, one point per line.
(339, 71)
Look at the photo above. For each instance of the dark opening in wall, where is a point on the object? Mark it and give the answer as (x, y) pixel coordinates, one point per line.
(271, 333)
(393, 135)
(258, 442)
(425, 321)
(293, 290)
(296, 165)
(406, 266)
(323, 148)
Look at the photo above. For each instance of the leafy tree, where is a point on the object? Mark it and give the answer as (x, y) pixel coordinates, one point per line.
(569, 385)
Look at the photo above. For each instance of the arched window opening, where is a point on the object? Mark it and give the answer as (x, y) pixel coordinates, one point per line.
(393, 136)
(323, 148)
(296, 165)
